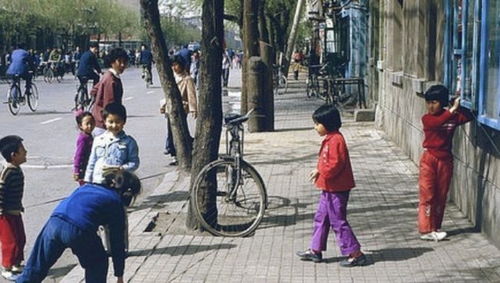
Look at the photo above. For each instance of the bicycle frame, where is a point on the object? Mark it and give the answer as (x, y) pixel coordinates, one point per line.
(234, 149)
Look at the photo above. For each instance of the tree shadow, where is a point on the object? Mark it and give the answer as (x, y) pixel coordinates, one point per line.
(161, 200)
(395, 254)
(458, 231)
(182, 250)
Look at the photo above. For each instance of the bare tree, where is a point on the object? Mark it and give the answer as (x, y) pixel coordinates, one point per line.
(176, 113)
(250, 43)
(209, 121)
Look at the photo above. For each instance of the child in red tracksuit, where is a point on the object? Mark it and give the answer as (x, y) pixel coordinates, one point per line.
(436, 164)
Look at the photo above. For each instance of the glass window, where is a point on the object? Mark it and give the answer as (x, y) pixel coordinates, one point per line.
(456, 69)
(470, 53)
(491, 100)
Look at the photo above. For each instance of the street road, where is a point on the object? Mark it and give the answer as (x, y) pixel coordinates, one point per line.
(50, 136)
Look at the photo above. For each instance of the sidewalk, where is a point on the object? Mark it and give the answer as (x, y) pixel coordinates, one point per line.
(382, 212)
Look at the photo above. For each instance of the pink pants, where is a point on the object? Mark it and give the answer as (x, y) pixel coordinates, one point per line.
(12, 239)
(434, 182)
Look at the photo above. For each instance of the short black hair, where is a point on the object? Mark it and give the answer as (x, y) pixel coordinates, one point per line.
(94, 44)
(439, 93)
(328, 116)
(126, 183)
(115, 108)
(9, 145)
(177, 59)
(79, 117)
(115, 54)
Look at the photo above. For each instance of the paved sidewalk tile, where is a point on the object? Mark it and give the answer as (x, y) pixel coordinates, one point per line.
(382, 211)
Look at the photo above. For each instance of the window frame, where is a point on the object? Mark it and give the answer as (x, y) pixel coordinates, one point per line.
(479, 61)
(482, 117)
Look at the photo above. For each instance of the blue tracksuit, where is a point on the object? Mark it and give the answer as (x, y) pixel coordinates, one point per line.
(74, 224)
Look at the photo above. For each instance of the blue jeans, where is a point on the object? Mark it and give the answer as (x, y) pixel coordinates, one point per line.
(55, 237)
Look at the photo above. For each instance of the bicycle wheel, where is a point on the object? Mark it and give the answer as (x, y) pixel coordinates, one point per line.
(49, 75)
(284, 82)
(13, 99)
(238, 206)
(33, 97)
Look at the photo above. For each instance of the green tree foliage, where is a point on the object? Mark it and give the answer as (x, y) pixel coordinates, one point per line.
(177, 32)
(22, 18)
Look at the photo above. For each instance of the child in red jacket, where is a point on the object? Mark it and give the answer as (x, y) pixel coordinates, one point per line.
(436, 164)
(333, 175)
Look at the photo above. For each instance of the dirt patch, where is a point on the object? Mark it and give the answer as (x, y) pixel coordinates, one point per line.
(171, 224)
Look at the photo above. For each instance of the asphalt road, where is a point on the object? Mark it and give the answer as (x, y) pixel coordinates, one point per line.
(50, 136)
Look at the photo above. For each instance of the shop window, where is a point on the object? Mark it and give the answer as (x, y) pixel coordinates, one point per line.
(489, 96)
(472, 52)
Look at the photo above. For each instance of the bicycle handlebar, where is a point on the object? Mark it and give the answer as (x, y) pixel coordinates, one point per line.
(234, 119)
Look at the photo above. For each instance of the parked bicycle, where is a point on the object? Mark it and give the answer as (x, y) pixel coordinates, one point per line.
(83, 101)
(146, 75)
(312, 82)
(16, 98)
(233, 184)
(280, 81)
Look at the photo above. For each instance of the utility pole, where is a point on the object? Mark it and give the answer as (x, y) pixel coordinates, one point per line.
(293, 36)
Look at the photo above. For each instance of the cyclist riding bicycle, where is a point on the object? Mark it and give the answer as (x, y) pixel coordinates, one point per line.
(146, 60)
(88, 63)
(21, 64)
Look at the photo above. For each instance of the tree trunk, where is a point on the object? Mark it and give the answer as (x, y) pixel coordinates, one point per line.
(250, 43)
(266, 53)
(292, 37)
(176, 114)
(256, 99)
(209, 121)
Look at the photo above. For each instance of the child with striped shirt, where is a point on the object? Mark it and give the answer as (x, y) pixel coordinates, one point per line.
(12, 235)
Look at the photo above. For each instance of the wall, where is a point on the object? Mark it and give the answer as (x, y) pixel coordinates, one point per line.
(407, 58)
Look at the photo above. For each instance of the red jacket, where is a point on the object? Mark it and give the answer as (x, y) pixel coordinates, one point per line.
(439, 130)
(108, 90)
(334, 165)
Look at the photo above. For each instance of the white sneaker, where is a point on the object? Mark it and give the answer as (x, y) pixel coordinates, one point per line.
(17, 269)
(9, 275)
(433, 236)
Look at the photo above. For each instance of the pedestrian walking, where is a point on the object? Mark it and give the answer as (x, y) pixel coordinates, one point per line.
(333, 176)
(12, 235)
(436, 163)
(226, 65)
(110, 87)
(86, 124)
(146, 60)
(187, 89)
(73, 224)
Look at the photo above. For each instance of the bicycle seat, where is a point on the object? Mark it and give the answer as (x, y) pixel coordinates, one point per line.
(233, 119)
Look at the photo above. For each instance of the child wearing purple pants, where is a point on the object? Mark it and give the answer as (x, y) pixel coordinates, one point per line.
(333, 175)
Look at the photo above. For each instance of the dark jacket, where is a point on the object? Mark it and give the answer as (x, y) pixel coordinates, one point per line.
(146, 57)
(88, 63)
(21, 62)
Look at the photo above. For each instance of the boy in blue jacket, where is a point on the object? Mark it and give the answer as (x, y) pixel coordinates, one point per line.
(74, 224)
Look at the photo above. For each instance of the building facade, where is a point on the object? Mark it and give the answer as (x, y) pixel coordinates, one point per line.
(415, 44)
